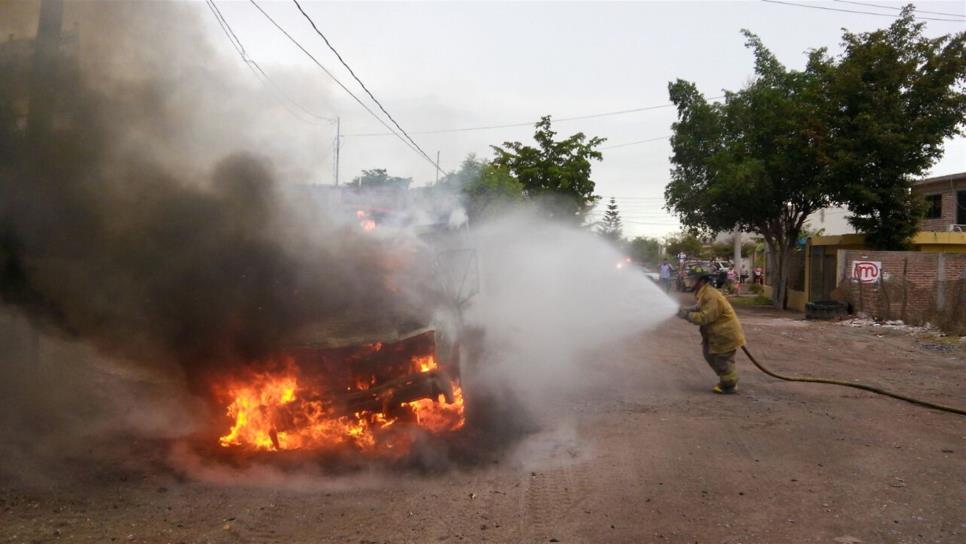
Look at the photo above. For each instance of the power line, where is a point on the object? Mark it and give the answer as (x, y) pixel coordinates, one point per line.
(328, 73)
(633, 197)
(853, 11)
(257, 70)
(531, 123)
(363, 85)
(636, 143)
(899, 9)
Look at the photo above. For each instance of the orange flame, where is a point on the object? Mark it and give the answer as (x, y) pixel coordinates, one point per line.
(279, 409)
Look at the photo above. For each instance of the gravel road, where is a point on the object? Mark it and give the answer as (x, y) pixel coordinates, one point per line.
(643, 453)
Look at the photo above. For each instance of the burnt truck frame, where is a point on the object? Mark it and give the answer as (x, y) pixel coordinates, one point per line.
(376, 361)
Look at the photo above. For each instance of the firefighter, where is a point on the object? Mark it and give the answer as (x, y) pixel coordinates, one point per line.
(721, 333)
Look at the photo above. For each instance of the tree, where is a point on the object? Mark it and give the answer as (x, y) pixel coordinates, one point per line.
(726, 248)
(685, 242)
(610, 227)
(645, 250)
(793, 142)
(492, 191)
(378, 178)
(556, 172)
(469, 172)
(750, 163)
(486, 189)
(891, 100)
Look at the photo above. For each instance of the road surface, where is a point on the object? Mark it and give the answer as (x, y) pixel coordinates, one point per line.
(645, 454)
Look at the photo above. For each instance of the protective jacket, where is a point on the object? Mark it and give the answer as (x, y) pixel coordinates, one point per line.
(719, 324)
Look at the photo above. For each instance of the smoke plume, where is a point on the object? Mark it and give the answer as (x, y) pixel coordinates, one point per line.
(138, 227)
(126, 224)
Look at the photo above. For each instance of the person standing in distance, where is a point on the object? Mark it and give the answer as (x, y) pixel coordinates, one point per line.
(666, 275)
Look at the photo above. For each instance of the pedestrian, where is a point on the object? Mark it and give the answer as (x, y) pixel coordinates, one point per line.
(743, 277)
(721, 333)
(666, 275)
(759, 277)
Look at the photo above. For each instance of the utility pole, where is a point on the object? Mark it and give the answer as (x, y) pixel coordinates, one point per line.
(338, 143)
(737, 264)
(45, 73)
(437, 168)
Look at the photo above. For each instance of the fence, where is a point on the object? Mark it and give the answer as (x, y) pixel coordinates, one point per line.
(913, 286)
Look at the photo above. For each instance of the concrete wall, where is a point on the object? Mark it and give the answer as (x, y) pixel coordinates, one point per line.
(796, 299)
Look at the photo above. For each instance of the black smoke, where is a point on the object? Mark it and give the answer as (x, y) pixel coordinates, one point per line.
(117, 230)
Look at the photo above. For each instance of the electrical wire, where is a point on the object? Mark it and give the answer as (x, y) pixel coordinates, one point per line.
(854, 11)
(332, 76)
(900, 9)
(363, 85)
(861, 386)
(256, 69)
(531, 123)
(615, 146)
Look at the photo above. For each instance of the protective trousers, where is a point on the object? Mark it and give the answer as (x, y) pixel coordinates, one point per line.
(723, 365)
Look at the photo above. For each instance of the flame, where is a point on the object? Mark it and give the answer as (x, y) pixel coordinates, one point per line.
(438, 416)
(280, 409)
(365, 221)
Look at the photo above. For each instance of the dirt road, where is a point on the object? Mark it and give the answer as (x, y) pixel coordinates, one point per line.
(646, 455)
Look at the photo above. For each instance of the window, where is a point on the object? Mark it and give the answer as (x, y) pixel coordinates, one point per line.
(934, 206)
(961, 208)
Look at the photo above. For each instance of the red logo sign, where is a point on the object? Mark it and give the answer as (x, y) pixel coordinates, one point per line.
(866, 271)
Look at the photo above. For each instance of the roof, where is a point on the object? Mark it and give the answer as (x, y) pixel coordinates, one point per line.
(961, 176)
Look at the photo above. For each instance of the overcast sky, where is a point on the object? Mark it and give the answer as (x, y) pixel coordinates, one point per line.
(448, 65)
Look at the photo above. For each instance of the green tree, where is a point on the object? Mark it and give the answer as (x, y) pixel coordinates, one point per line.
(378, 178)
(486, 189)
(891, 100)
(751, 162)
(726, 248)
(469, 172)
(610, 226)
(793, 142)
(555, 172)
(491, 192)
(646, 250)
(684, 242)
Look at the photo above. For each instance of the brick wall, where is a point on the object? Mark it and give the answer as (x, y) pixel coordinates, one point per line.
(948, 217)
(948, 188)
(911, 287)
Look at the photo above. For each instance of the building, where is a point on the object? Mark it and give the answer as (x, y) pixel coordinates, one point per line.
(945, 198)
(925, 283)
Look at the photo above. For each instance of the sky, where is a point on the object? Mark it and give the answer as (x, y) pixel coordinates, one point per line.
(452, 65)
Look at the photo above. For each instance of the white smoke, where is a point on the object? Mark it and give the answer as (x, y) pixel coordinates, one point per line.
(550, 295)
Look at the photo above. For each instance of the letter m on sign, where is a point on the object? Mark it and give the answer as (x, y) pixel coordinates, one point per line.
(866, 271)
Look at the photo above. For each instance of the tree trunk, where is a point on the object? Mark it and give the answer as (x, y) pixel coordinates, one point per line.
(782, 255)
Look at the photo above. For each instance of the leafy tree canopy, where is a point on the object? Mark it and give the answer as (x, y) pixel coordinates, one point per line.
(645, 250)
(852, 130)
(889, 102)
(555, 172)
(378, 178)
(685, 242)
(486, 189)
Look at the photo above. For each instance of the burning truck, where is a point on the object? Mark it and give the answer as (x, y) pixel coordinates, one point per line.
(366, 383)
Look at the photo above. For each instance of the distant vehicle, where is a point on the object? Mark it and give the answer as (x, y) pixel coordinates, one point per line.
(687, 272)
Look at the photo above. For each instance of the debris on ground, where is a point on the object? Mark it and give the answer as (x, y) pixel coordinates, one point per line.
(896, 325)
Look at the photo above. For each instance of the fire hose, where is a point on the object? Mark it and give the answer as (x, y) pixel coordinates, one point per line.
(861, 386)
